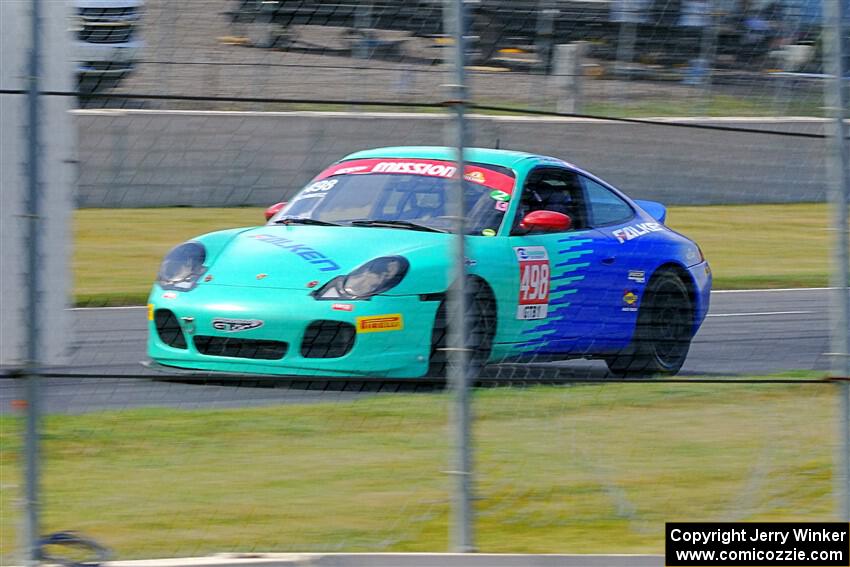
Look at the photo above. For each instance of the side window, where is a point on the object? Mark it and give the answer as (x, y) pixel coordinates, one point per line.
(556, 190)
(604, 205)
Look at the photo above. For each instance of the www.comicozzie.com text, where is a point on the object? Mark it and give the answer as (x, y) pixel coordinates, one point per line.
(727, 536)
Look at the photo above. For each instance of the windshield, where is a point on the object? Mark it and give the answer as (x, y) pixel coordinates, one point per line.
(405, 192)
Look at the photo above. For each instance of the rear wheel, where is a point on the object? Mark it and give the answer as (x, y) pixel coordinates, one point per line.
(480, 330)
(664, 331)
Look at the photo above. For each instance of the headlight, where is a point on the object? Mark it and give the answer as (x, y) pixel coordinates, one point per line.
(372, 278)
(182, 267)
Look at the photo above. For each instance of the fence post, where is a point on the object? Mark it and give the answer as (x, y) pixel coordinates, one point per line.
(708, 48)
(33, 207)
(458, 374)
(569, 67)
(839, 176)
(626, 49)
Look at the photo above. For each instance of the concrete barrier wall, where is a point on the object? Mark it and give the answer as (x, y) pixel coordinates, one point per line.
(139, 158)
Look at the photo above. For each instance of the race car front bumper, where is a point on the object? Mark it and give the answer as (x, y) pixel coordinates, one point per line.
(288, 332)
(106, 59)
(701, 275)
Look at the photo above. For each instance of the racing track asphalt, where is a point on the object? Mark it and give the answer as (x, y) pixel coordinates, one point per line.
(746, 333)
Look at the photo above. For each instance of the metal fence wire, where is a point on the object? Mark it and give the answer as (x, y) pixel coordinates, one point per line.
(617, 58)
(174, 469)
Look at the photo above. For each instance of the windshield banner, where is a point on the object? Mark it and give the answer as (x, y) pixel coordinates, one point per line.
(425, 167)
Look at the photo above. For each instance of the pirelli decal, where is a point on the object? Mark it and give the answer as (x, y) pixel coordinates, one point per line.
(380, 323)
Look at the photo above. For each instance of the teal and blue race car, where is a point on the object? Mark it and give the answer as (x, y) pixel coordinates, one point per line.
(349, 278)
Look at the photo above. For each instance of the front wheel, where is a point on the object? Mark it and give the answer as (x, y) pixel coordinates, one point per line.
(664, 331)
(480, 330)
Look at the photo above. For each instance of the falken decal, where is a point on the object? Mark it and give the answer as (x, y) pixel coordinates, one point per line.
(635, 231)
(236, 325)
(534, 282)
(310, 254)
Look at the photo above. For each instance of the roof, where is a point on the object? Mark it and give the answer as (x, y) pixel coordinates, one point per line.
(505, 158)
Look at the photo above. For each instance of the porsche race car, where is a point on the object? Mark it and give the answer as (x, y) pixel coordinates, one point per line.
(350, 277)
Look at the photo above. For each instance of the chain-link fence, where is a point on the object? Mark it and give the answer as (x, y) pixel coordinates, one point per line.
(159, 469)
(282, 387)
(617, 58)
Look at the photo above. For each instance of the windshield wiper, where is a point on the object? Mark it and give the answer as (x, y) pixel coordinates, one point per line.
(396, 224)
(304, 220)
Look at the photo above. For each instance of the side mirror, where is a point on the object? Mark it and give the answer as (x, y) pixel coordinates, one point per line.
(274, 209)
(548, 221)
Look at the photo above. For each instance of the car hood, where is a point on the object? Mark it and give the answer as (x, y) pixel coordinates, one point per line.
(294, 257)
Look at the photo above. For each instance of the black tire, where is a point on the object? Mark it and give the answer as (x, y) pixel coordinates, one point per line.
(663, 333)
(481, 328)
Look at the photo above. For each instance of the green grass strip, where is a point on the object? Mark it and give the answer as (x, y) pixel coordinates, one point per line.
(586, 469)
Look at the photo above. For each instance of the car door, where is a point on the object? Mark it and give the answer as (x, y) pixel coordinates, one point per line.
(617, 285)
(556, 310)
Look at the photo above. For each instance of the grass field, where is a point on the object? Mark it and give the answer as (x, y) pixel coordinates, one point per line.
(585, 469)
(714, 105)
(117, 251)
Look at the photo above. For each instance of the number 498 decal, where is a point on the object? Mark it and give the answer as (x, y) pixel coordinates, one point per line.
(533, 282)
